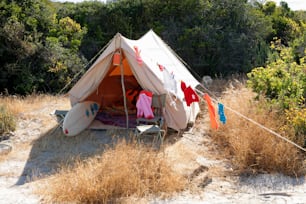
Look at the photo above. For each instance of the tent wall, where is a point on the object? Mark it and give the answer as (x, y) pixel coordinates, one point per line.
(90, 81)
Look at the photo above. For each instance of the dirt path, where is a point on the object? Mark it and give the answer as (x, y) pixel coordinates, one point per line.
(12, 165)
(36, 151)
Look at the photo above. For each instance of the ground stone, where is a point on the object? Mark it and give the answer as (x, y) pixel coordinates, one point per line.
(5, 149)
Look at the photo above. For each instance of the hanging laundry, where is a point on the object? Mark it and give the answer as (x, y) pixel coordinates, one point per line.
(211, 111)
(138, 58)
(169, 84)
(221, 113)
(189, 93)
(143, 105)
(169, 80)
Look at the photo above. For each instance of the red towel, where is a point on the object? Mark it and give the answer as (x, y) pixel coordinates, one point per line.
(189, 93)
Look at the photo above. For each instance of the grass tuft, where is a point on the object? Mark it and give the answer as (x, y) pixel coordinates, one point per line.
(120, 172)
(7, 120)
(251, 148)
(31, 104)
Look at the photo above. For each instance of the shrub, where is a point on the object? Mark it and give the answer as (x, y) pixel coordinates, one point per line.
(296, 125)
(251, 148)
(7, 120)
(127, 170)
(283, 83)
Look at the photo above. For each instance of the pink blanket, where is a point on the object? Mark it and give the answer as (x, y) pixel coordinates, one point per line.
(144, 105)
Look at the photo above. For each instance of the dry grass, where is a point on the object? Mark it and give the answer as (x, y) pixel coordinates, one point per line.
(120, 172)
(7, 120)
(251, 148)
(31, 103)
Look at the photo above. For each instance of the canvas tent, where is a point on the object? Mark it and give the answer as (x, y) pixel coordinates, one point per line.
(140, 59)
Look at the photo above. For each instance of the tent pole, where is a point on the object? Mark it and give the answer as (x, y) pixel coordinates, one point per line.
(123, 91)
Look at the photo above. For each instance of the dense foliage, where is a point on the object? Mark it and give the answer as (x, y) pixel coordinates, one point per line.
(44, 44)
(39, 52)
(283, 83)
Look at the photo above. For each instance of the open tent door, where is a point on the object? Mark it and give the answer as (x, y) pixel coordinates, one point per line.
(112, 96)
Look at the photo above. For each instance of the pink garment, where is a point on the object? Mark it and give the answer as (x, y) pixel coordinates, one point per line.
(138, 57)
(144, 106)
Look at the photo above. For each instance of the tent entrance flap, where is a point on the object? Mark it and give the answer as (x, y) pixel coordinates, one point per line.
(109, 92)
(115, 70)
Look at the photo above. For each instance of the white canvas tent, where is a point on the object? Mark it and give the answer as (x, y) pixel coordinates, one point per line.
(103, 81)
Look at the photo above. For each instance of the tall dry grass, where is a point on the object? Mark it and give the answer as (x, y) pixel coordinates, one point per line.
(251, 148)
(123, 171)
(30, 103)
(7, 120)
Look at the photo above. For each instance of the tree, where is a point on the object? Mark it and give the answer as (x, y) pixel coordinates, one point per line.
(30, 39)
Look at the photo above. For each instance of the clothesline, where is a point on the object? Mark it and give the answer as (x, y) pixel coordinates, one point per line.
(252, 121)
(234, 111)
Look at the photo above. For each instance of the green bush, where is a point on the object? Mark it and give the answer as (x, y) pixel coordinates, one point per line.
(283, 83)
(296, 123)
(7, 120)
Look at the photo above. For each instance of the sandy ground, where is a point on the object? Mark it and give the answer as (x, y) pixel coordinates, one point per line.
(38, 149)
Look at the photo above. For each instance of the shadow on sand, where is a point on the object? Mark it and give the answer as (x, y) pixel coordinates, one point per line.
(268, 182)
(53, 149)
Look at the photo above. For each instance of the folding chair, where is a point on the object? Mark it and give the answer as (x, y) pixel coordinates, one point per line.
(155, 126)
(60, 116)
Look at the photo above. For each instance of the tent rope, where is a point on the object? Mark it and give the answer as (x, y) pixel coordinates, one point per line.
(258, 124)
(89, 63)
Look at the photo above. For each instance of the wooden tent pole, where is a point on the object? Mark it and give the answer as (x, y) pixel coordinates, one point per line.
(123, 91)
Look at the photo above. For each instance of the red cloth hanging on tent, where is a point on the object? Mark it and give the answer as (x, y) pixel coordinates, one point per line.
(211, 110)
(189, 93)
